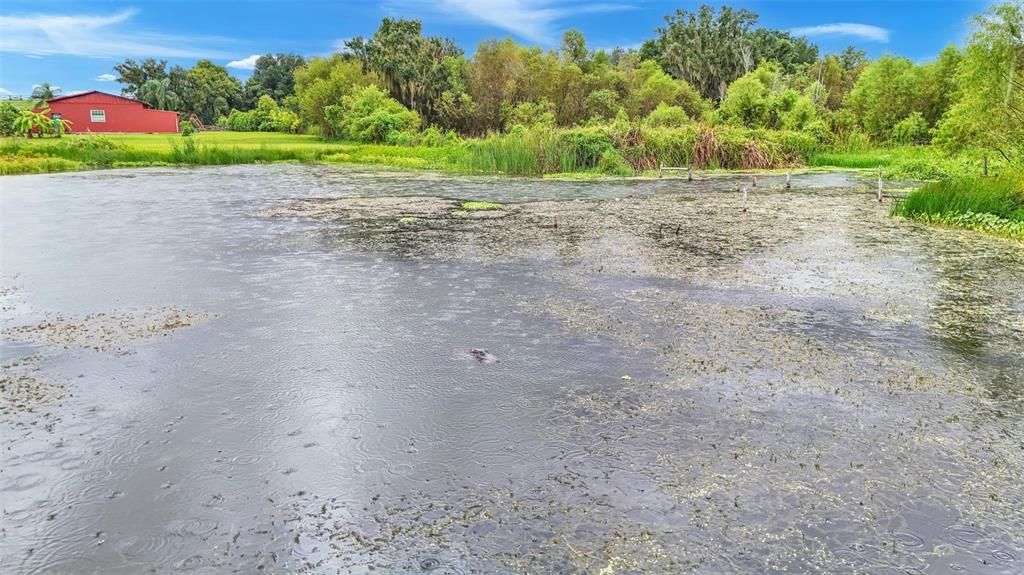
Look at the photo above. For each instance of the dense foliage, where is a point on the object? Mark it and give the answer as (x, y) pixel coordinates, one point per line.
(8, 115)
(369, 115)
(267, 116)
(711, 88)
(988, 109)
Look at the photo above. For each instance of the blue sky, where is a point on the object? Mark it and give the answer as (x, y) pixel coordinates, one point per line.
(74, 45)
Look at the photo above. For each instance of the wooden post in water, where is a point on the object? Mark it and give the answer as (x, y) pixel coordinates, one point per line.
(689, 173)
(661, 169)
(753, 181)
(879, 183)
(787, 180)
(744, 198)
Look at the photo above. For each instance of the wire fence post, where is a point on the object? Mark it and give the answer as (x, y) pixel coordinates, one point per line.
(879, 183)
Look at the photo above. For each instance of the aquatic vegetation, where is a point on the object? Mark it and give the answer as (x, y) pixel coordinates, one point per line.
(22, 389)
(479, 205)
(576, 176)
(524, 153)
(989, 223)
(993, 205)
(102, 331)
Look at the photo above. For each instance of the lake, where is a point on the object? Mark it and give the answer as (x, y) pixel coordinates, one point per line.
(291, 368)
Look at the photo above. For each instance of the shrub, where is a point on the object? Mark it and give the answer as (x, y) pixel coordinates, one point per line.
(755, 101)
(266, 117)
(910, 130)
(820, 132)
(602, 104)
(369, 115)
(8, 114)
(239, 121)
(667, 116)
(613, 163)
(529, 115)
(186, 128)
(434, 137)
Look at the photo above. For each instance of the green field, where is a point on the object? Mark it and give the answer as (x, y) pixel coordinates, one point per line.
(82, 152)
(21, 104)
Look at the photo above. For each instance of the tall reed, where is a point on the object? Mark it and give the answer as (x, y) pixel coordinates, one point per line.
(1002, 197)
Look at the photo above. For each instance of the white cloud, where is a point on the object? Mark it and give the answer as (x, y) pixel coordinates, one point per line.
(245, 63)
(92, 36)
(106, 78)
(5, 92)
(862, 31)
(533, 20)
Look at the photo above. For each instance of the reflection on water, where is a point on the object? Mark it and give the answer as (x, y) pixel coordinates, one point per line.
(683, 382)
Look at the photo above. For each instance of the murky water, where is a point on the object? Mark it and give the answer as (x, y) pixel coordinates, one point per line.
(237, 369)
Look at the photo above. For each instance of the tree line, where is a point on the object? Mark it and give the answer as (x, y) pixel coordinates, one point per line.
(712, 66)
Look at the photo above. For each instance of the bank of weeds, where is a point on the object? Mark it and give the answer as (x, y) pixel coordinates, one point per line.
(572, 153)
(993, 205)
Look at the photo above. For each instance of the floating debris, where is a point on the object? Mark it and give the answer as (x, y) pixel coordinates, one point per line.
(22, 390)
(483, 356)
(103, 331)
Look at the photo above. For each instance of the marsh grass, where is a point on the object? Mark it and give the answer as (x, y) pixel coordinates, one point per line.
(33, 164)
(190, 152)
(578, 152)
(526, 153)
(994, 205)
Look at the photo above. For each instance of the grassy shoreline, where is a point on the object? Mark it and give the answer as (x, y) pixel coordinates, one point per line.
(991, 205)
(77, 152)
(483, 156)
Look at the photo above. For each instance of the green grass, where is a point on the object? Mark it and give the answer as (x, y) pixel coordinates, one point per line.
(993, 205)
(909, 162)
(81, 151)
(21, 104)
(11, 165)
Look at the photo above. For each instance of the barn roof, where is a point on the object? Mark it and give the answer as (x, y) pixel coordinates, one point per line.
(80, 94)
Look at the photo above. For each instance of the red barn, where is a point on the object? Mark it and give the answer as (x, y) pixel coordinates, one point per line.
(101, 112)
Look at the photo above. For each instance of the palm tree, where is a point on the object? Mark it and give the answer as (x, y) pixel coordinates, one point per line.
(43, 93)
(158, 93)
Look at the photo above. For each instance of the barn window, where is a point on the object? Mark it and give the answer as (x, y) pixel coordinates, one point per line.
(97, 116)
